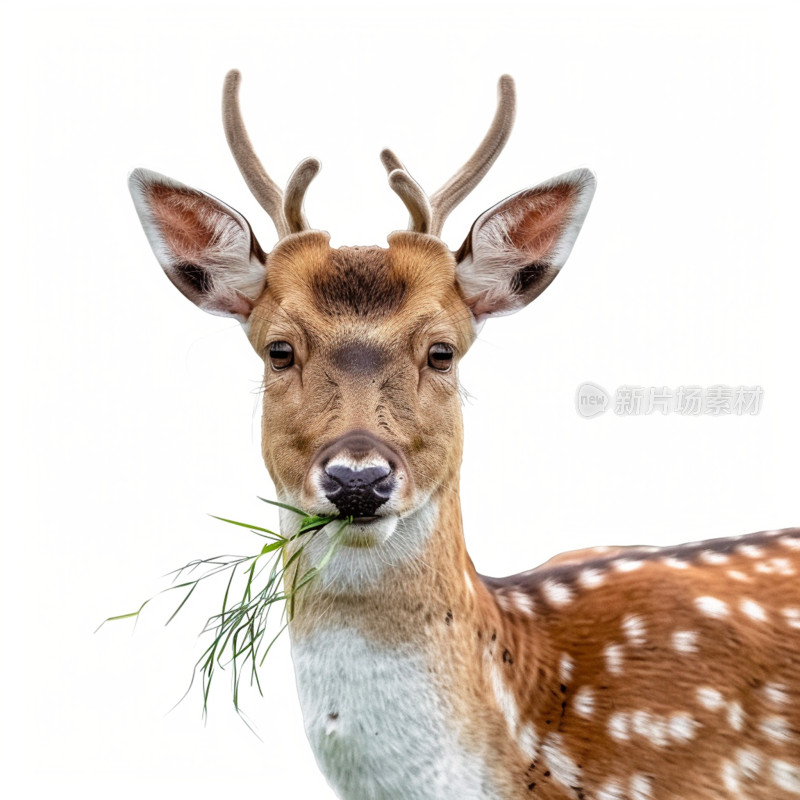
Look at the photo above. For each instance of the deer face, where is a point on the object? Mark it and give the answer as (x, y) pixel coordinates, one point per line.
(361, 345)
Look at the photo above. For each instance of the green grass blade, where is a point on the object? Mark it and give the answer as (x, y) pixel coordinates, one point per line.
(283, 505)
(183, 603)
(253, 528)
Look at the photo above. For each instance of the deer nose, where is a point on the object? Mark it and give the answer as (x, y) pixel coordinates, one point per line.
(357, 492)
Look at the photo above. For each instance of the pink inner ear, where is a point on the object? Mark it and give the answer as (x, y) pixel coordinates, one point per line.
(480, 307)
(184, 221)
(239, 305)
(538, 228)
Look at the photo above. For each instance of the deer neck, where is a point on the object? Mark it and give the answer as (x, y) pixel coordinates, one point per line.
(397, 656)
(396, 592)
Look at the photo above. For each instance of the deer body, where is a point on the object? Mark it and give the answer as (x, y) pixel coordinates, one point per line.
(608, 674)
(547, 685)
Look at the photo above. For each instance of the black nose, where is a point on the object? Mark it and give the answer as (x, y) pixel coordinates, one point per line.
(357, 492)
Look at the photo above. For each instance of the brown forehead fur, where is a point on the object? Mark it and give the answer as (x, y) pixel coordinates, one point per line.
(409, 283)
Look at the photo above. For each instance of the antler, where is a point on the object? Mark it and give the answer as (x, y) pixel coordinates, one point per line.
(428, 216)
(286, 211)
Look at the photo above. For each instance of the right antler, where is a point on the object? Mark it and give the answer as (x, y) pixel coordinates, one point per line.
(428, 216)
(286, 210)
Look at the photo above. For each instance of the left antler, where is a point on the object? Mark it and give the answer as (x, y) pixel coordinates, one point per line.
(286, 211)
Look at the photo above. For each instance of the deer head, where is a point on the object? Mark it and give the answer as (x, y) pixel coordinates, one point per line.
(361, 405)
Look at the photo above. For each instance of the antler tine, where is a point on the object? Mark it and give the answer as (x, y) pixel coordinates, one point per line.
(411, 194)
(409, 191)
(304, 173)
(467, 178)
(390, 161)
(264, 189)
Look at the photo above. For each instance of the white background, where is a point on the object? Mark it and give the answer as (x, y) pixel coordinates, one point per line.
(129, 414)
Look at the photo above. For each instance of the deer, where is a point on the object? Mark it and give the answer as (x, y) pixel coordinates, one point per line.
(609, 673)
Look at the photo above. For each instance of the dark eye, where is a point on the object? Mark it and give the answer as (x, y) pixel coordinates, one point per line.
(281, 355)
(440, 357)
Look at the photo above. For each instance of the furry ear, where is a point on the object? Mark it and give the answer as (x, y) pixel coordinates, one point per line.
(206, 248)
(516, 248)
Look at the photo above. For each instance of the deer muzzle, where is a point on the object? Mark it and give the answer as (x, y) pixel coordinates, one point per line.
(359, 475)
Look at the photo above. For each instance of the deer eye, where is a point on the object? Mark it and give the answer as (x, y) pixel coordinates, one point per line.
(440, 357)
(281, 355)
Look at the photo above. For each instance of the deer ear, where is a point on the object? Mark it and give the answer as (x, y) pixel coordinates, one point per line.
(515, 249)
(206, 248)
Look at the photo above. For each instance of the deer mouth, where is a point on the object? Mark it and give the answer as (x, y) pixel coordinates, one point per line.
(368, 531)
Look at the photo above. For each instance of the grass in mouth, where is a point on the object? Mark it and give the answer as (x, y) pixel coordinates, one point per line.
(238, 632)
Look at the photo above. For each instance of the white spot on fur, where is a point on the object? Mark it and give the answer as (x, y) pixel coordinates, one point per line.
(557, 594)
(613, 655)
(611, 790)
(685, 641)
(736, 715)
(792, 617)
(468, 581)
(776, 728)
(583, 702)
(634, 628)
(591, 578)
(747, 766)
(750, 550)
(626, 565)
(786, 775)
(650, 726)
(676, 563)
(505, 699)
(753, 610)
(713, 557)
(528, 740)
(562, 767)
(504, 602)
(566, 665)
(710, 698)
(737, 575)
(783, 566)
(776, 694)
(641, 787)
(730, 777)
(642, 722)
(682, 726)
(618, 726)
(750, 763)
(712, 607)
(523, 602)
(792, 542)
